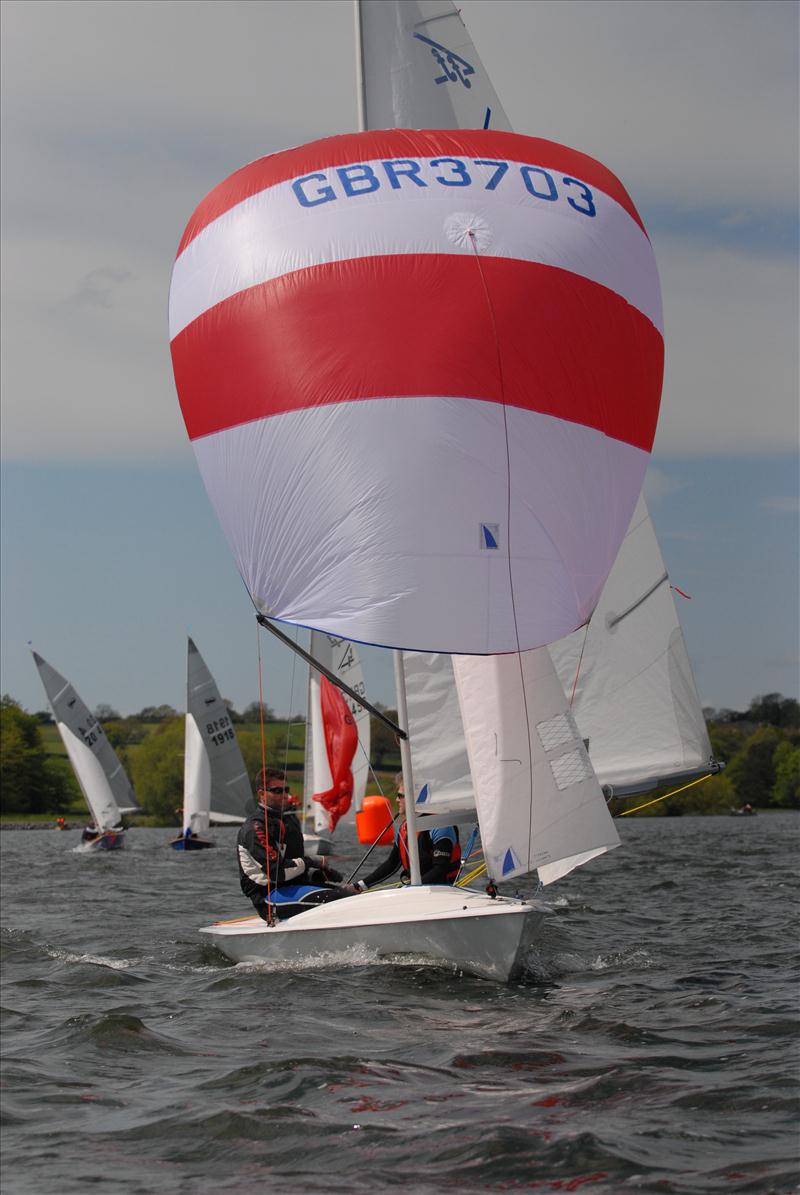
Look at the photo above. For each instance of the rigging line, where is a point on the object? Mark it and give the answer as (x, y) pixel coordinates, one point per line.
(371, 770)
(612, 620)
(578, 668)
(674, 793)
(263, 770)
(473, 875)
(331, 676)
(364, 858)
(504, 407)
(291, 704)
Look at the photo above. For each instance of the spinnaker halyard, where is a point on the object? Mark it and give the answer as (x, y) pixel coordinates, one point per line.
(421, 373)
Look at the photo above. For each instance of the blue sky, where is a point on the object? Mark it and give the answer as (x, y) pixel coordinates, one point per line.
(116, 123)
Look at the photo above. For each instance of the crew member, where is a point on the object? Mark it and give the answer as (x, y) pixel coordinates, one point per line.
(439, 853)
(274, 870)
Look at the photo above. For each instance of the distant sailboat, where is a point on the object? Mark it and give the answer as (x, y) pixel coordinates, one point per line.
(337, 742)
(215, 780)
(99, 773)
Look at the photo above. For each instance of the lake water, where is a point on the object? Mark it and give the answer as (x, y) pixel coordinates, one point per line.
(651, 1046)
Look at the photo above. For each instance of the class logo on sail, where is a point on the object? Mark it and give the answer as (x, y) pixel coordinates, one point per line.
(455, 69)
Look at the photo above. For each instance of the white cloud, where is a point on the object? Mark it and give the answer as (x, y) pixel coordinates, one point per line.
(658, 484)
(116, 122)
(731, 379)
(789, 504)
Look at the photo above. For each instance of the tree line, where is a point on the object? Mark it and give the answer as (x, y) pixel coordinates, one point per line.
(760, 746)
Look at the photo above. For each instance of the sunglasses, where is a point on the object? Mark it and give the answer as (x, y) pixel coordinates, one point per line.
(278, 790)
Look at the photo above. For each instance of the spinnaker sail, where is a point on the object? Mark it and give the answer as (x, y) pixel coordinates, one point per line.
(421, 374)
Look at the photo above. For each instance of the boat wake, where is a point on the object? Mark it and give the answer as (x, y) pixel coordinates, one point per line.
(353, 956)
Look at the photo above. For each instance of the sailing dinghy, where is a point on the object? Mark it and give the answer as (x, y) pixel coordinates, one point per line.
(102, 778)
(215, 781)
(421, 373)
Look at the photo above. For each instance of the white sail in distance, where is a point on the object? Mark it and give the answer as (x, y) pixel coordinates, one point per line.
(216, 783)
(99, 773)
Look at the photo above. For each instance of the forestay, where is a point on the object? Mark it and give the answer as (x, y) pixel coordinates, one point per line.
(99, 773)
(635, 698)
(215, 775)
(421, 373)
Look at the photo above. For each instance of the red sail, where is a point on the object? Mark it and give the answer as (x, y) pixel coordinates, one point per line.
(341, 741)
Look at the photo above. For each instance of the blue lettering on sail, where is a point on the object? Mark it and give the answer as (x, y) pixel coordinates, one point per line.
(489, 533)
(426, 174)
(358, 179)
(456, 69)
(423, 795)
(323, 195)
(508, 862)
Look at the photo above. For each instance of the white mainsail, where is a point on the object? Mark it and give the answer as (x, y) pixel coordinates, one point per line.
(216, 784)
(342, 659)
(421, 70)
(411, 53)
(99, 773)
(635, 699)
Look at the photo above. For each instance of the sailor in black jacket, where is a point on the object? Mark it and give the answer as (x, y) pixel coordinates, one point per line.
(271, 853)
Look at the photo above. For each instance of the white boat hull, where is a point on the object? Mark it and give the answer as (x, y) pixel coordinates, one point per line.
(111, 840)
(454, 927)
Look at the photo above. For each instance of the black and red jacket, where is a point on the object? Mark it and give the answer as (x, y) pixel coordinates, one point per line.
(270, 852)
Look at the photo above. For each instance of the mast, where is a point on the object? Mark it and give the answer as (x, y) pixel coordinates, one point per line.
(361, 98)
(405, 759)
(307, 765)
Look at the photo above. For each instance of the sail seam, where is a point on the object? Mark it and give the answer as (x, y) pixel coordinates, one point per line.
(503, 404)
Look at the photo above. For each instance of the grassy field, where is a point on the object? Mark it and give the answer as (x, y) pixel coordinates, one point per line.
(284, 748)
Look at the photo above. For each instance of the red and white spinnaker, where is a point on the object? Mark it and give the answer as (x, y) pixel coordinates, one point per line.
(421, 372)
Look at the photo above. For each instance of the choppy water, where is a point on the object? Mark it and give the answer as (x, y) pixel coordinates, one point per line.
(650, 1047)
